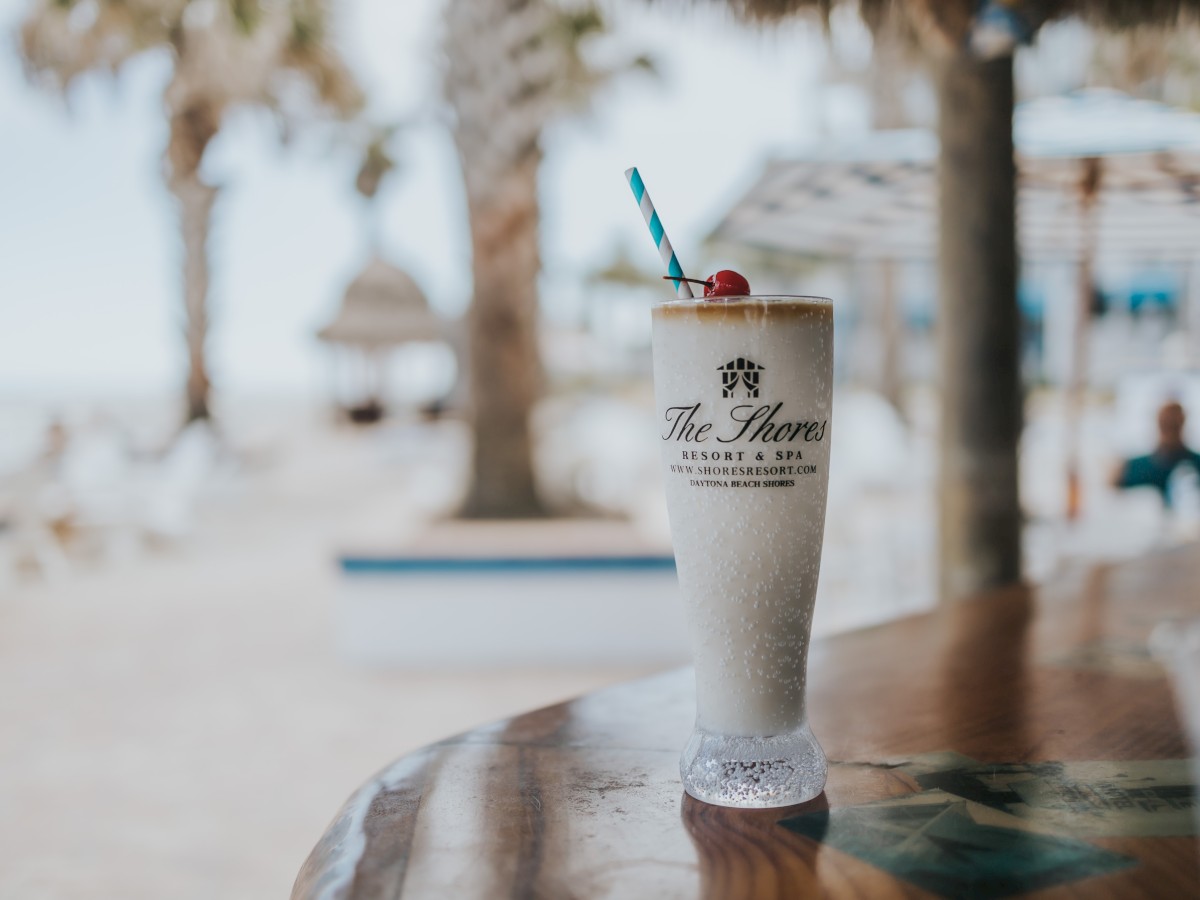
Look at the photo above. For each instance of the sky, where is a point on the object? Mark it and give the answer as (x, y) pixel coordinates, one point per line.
(89, 251)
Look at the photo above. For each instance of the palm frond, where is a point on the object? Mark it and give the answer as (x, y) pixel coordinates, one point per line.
(309, 51)
(378, 160)
(247, 14)
(61, 39)
(513, 67)
(334, 86)
(242, 51)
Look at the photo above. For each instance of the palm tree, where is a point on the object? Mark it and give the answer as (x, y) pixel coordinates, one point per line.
(969, 46)
(225, 53)
(511, 68)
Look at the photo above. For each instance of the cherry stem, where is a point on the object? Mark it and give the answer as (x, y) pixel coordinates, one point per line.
(692, 280)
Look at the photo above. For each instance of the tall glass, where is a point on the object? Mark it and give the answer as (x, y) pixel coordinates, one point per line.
(743, 391)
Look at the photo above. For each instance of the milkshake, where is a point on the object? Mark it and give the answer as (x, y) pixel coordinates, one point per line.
(743, 396)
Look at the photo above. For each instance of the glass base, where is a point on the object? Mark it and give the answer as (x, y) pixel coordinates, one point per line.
(753, 772)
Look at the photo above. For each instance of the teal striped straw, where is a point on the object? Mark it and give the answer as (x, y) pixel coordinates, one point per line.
(674, 270)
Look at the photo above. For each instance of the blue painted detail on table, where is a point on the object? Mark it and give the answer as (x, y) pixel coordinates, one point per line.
(403, 565)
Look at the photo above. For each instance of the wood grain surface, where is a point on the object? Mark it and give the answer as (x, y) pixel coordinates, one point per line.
(583, 800)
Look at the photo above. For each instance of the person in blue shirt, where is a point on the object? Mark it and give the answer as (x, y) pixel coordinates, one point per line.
(1155, 469)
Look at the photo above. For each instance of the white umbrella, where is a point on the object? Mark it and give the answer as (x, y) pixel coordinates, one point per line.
(875, 197)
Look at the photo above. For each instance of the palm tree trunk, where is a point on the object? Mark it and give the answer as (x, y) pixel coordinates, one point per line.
(505, 362)
(195, 215)
(979, 328)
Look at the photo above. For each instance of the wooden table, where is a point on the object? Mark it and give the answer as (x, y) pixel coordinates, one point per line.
(582, 799)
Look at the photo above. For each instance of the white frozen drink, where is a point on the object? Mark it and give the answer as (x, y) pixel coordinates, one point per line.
(743, 390)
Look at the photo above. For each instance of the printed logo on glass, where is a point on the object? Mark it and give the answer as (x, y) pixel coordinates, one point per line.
(740, 373)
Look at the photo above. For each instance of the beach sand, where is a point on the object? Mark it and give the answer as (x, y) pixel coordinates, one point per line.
(176, 724)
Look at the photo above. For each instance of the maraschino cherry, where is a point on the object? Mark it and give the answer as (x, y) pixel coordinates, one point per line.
(724, 283)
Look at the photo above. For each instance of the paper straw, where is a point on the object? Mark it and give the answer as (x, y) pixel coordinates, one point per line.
(682, 291)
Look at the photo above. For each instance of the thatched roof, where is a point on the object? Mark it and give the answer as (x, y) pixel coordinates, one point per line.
(952, 18)
(1109, 13)
(383, 307)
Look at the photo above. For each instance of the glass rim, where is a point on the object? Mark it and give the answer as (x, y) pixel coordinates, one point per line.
(761, 298)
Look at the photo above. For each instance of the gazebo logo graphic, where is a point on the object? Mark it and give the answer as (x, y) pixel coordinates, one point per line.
(740, 371)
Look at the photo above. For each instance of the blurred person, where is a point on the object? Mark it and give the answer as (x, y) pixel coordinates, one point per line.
(55, 508)
(54, 444)
(1157, 468)
(36, 515)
